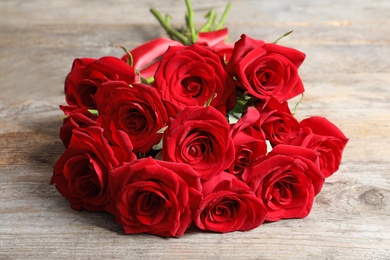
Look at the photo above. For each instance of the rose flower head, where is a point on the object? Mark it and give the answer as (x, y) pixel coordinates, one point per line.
(319, 134)
(266, 69)
(88, 74)
(229, 205)
(276, 122)
(156, 197)
(287, 181)
(193, 75)
(199, 137)
(81, 173)
(136, 109)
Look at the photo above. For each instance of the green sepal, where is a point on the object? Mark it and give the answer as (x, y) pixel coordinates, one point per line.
(281, 37)
(93, 112)
(208, 102)
(142, 79)
(158, 146)
(294, 110)
(162, 130)
(131, 60)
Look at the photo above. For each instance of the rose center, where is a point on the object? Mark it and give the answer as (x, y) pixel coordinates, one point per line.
(282, 193)
(263, 77)
(135, 121)
(242, 160)
(83, 177)
(192, 86)
(225, 210)
(87, 92)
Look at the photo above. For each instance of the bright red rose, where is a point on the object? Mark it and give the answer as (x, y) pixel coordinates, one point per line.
(192, 75)
(216, 41)
(265, 69)
(287, 181)
(199, 137)
(81, 173)
(75, 118)
(320, 135)
(276, 121)
(155, 197)
(88, 74)
(249, 143)
(137, 110)
(146, 57)
(229, 205)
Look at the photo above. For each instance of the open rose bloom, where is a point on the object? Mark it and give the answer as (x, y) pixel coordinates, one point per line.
(174, 135)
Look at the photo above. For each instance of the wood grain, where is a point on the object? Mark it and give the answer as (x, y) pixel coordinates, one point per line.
(347, 79)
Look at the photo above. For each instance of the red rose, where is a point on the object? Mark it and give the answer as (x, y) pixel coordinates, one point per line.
(320, 135)
(276, 121)
(216, 41)
(88, 74)
(199, 137)
(147, 56)
(75, 118)
(228, 205)
(266, 70)
(192, 75)
(81, 173)
(249, 143)
(136, 109)
(287, 181)
(155, 197)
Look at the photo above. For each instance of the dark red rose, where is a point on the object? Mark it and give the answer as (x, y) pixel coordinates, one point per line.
(276, 121)
(137, 110)
(146, 57)
(155, 197)
(216, 41)
(199, 137)
(88, 74)
(75, 118)
(249, 143)
(320, 135)
(229, 205)
(81, 173)
(192, 75)
(287, 181)
(265, 69)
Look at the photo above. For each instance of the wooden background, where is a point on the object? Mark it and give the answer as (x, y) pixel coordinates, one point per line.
(347, 79)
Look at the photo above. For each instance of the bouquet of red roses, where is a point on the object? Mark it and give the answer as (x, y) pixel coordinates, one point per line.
(191, 130)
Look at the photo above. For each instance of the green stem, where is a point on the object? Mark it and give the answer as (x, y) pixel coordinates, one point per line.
(168, 27)
(210, 21)
(190, 22)
(224, 16)
(168, 23)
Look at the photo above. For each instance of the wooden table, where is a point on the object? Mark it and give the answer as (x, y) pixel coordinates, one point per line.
(347, 79)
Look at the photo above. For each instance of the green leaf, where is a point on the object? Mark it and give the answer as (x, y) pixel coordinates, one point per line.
(242, 102)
